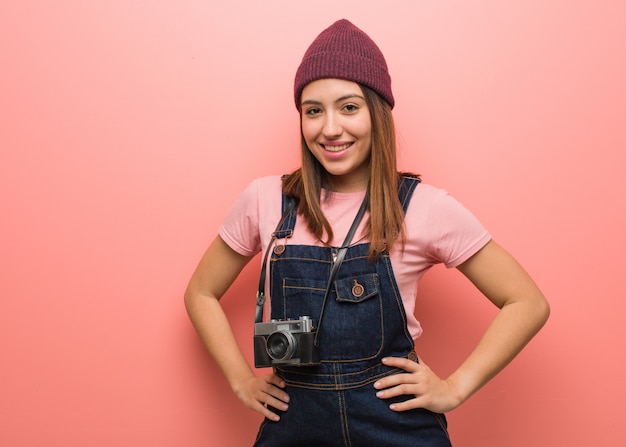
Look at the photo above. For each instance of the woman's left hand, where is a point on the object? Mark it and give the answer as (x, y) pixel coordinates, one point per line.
(428, 390)
(523, 311)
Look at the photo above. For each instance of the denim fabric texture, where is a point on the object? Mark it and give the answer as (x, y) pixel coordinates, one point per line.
(334, 403)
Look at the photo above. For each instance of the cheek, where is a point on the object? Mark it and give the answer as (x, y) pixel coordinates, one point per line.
(309, 131)
(367, 130)
(364, 128)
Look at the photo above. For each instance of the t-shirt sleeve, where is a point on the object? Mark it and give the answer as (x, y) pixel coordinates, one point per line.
(456, 234)
(240, 229)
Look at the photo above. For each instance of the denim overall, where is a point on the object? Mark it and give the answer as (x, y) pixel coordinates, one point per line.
(334, 403)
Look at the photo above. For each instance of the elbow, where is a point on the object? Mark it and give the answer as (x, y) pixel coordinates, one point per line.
(189, 300)
(545, 310)
(197, 303)
(541, 311)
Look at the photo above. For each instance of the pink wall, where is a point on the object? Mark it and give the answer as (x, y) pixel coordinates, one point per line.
(128, 127)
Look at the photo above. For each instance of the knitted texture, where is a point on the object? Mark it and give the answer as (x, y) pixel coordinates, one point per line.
(343, 51)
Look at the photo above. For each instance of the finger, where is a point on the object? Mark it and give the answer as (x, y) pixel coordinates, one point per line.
(396, 379)
(279, 395)
(277, 403)
(403, 389)
(402, 363)
(266, 412)
(275, 380)
(409, 404)
(272, 390)
(265, 402)
(392, 380)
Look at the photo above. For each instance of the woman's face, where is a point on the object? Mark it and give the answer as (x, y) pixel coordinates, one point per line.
(337, 128)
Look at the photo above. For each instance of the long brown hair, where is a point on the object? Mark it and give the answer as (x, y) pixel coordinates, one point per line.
(386, 221)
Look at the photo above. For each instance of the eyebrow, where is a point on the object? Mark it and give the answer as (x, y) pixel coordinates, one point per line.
(341, 98)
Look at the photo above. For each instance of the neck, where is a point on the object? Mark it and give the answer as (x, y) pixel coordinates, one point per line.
(342, 184)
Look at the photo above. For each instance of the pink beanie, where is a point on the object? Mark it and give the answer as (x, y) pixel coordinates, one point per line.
(343, 51)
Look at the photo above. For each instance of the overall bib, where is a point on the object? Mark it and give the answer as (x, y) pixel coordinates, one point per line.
(335, 403)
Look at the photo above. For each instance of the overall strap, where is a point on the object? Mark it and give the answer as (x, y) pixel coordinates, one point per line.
(338, 260)
(406, 186)
(288, 222)
(289, 211)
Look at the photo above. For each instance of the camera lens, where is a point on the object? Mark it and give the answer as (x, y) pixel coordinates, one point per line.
(281, 345)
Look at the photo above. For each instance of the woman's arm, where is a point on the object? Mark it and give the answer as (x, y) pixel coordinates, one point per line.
(217, 270)
(523, 311)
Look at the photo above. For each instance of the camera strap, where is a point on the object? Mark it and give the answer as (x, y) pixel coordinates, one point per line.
(260, 293)
(337, 260)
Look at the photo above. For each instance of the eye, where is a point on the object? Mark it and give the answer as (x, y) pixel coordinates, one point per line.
(312, 111)
(350, 108)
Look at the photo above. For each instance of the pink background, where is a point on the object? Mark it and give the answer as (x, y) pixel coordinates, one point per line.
(128, 127)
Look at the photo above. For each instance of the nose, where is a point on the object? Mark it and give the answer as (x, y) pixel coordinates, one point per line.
(332, 126)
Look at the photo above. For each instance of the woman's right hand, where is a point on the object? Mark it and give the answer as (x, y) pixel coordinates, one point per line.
(260, 392)
(216, 271)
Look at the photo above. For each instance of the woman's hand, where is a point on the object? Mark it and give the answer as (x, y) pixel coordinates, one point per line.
(257, 393)
(217, 270)
(523, 311)
(428, 390)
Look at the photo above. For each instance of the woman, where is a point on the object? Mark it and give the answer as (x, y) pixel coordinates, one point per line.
(362, 383)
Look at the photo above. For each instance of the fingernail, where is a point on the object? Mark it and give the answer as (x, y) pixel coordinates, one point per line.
(377, 384)
(384, 360)
(379, 394)
(392, 407)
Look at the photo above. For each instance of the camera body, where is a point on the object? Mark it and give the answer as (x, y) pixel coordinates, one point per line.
(285, 343)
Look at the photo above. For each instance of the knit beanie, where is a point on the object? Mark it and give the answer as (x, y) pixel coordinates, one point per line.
(343, 51)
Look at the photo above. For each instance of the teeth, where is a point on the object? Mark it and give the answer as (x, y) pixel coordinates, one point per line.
(337, 148)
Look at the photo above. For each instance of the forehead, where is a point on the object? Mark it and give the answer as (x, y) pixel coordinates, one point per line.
(330, 89)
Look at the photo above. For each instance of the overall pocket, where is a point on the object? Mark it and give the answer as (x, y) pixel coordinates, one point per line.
(352, 325)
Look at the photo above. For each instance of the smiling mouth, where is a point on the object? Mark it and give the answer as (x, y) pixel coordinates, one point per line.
(336, 148)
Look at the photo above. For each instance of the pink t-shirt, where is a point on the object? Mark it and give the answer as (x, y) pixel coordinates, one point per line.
(438, 230)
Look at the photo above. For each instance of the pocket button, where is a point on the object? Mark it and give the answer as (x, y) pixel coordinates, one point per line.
(357, 289)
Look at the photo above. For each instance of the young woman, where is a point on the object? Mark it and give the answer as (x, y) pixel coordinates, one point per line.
(361, 383)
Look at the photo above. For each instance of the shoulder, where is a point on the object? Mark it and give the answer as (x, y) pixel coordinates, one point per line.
(260, 190)
(267, 184)
(444, 225)
(433, 199)
(427, 190)
(253, 215)
(425, 196)
(425, 209)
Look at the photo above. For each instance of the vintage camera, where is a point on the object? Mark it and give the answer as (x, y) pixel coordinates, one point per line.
(285, 342)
